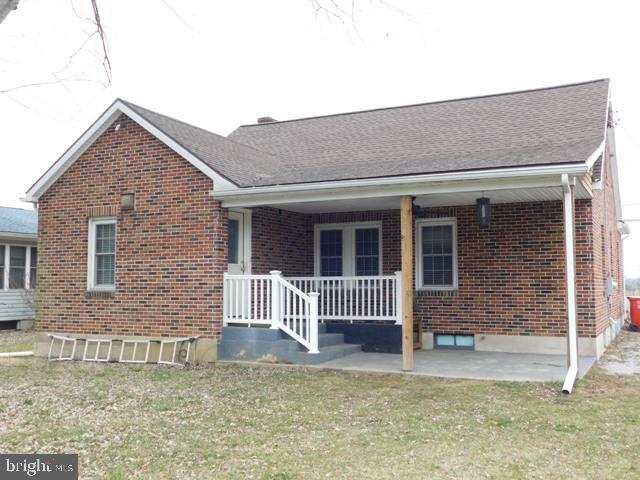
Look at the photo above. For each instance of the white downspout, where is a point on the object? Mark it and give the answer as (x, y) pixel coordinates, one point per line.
(572, 329)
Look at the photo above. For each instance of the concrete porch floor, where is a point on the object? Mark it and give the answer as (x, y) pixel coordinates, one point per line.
(517, 367)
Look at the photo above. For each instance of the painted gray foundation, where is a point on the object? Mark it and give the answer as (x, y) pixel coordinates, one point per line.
(273, 346)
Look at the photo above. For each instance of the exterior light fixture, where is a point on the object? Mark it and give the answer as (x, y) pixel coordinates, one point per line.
(484, 212)
(415, 209)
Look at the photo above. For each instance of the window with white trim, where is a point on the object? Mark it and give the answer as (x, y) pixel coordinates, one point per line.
(18, 265)
(436, 262)
(347, 249)
(102, 254)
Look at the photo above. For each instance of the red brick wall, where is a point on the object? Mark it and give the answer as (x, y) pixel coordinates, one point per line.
(511, 276)
(281, 240)
(171, 251)
(607, 252)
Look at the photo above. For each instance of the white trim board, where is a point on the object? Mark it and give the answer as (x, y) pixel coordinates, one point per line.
(92, 286)
(103, 122)
(456, 182)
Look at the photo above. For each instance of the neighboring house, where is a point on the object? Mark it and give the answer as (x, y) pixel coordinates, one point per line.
(151, 227)
(18, 265)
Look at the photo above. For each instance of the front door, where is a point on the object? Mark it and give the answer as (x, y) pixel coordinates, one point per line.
(238, 248)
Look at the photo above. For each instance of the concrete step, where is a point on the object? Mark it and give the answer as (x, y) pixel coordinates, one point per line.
(328, 339)
(242, 343)
(324, 340)
(326, 353)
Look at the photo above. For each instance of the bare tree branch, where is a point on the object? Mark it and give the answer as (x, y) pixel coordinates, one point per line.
(6, 7)
(50, 82)
(177, 15)
(106, 62)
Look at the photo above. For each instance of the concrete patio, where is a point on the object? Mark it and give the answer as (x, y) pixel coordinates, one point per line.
(517, 367)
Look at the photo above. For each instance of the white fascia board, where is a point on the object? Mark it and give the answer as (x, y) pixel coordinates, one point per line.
(526, 177)
(27, 237)
(613, 158)
(596, 153)
(98, 128)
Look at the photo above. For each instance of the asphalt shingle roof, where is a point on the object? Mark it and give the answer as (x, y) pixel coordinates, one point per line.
(17, 220)
(554, 125)
(547, 126)
(229, 158)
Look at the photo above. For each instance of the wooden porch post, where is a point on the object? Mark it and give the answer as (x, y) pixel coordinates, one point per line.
(406, 249)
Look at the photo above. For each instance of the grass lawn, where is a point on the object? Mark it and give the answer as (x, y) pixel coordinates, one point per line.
(272, 422)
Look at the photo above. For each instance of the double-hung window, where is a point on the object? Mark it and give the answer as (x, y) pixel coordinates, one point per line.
(436, 262)
(102, 254)
(17, 267)
(348, 249)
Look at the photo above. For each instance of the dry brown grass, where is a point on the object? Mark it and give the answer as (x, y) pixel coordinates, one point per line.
(271, 422)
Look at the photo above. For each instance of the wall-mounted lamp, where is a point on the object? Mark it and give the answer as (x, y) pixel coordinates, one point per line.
(484, 212)
(415, 209)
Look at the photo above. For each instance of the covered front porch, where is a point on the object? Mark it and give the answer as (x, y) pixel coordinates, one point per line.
(414, 261)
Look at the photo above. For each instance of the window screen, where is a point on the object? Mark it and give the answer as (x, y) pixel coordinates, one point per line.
(33, 268)
(331, 253)
(105, 254)
(367, 251)
(17, 265)
(437, 255)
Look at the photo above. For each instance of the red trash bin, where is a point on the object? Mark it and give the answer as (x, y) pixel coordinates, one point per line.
(634, 308)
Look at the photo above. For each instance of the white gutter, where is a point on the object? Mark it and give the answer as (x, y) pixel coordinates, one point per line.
(572, 329)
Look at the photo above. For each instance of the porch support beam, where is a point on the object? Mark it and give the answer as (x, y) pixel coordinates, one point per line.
(406, 249)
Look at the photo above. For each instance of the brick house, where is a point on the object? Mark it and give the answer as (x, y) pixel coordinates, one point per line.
(487, 223)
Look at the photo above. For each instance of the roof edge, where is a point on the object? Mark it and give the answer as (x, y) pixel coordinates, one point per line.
(97, 128)
(419, 104)
(333, 187)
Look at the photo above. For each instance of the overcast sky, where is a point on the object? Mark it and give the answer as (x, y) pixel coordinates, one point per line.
(220, 64)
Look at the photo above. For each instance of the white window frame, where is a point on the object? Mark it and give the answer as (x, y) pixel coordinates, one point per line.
(27, 267)
(435, 222)
(348, 245)
(91, 261)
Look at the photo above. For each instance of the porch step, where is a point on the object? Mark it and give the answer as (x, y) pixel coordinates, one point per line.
(330, 352)
(256, 344)
(328, 339)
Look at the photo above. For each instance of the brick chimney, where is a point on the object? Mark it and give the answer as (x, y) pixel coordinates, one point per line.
(266, 120)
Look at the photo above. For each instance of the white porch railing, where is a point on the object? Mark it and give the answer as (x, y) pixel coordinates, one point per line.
(355, 298)
(296, 304)
(271, 300)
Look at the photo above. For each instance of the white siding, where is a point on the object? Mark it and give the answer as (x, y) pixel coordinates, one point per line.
(15, 306)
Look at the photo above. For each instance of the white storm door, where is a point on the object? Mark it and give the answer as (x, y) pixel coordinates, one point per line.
(239, 253)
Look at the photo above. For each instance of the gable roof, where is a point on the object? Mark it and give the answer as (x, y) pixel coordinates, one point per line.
(232, 160)
(18, 221)
(557, 125)
(204, 150)
(547, 127)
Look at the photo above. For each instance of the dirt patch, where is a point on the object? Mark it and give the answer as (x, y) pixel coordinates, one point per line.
(10, 338)
(623, 357)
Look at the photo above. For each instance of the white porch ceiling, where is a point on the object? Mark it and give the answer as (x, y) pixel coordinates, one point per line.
(432, 200)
